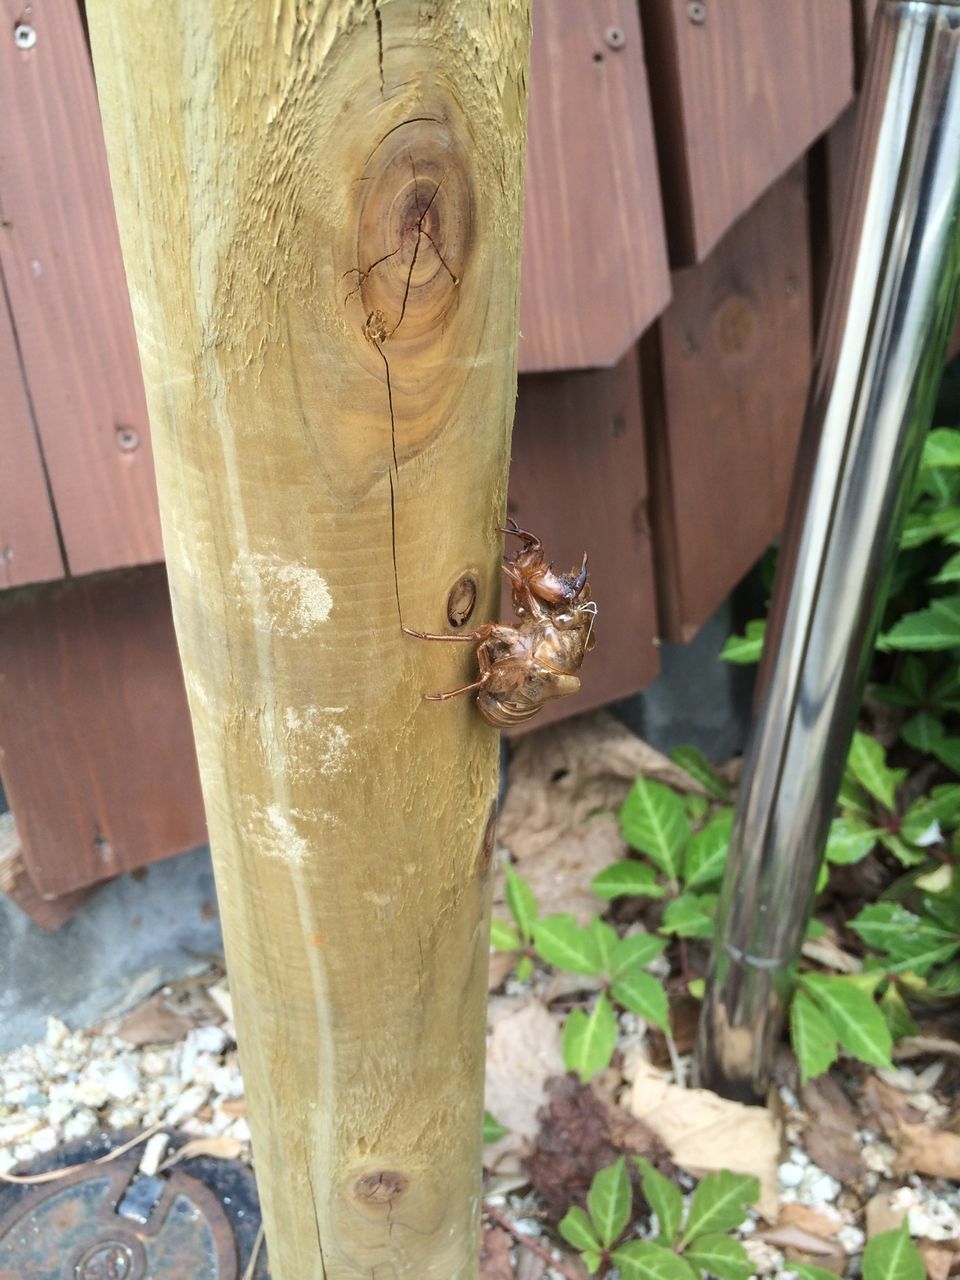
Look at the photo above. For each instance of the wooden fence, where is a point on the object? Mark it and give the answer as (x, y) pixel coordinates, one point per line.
(687, 161)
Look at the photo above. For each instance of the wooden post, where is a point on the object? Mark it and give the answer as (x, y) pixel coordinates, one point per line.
(320, 207)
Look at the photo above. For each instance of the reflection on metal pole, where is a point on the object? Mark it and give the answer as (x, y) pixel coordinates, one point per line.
(890, 306)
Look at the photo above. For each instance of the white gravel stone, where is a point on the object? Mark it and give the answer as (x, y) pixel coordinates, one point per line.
(57, 1033)
(44, 1140)
(80, 1125)
(122, 1082)
(188, 1104)
(851, 1239)
(766, 1259)
(790, 1174)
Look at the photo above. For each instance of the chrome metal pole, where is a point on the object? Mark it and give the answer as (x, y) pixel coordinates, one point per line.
(891, 302)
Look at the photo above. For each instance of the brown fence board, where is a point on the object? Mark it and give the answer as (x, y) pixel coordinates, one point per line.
(594, 249)
(96, 750)
(737, 98)
(725, 389)
(29, 550)
(578, 479)
(60, 255)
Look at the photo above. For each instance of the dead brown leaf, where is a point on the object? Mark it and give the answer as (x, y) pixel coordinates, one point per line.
(832, 1122)
(882, 1215)
(495, 1261)
(524, 1049)
(920, 1046)
(805, 1242)
(234, 1106)
(703, 1132)
(923, 1149)
(221, 1146)
(940, 1257)
(531, 1267)
(889, 1109)
(154, 1022)
(820, 1224)
(560, 780)
(580, 1134)
(501, 962)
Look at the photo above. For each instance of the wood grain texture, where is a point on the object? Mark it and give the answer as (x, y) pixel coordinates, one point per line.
(60, 256)
(48, 913)
(725, 387)
(578, 479)
(320, 206)
(737, 99)
(594, 247)
(29, 548)
(96, 752)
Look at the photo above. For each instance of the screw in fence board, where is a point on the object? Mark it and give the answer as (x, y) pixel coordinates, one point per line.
(320, 207)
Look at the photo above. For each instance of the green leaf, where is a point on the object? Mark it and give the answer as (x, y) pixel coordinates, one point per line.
(913, 676)
(608, 1201)
(813, 1038)
(949, 572)
(696, 805)
(522, 903)
(576, 1228)
(931, 629)
(524, 969)
(855, 1018)
(697, 988)
(567, 945)
(644, 1260)
(589, 1040)
(947, 981)
(706, 853)
(922, 731)
(642, 993)
(850, 839)
(941, 448)
(923, 526)
(746, 649)
(947, 751)
(690, 916)
(605, 940)
(493, 1131)
(628, 878)
(868, 765)
(698, 766)
(664, 1198)
(893, 1256)
(720, 1256)
(719, 1203)
(807, 1271)
(503, 936)
(897, 1015)
(635, 951)
(942, 805)
(853, 799)
(911, 943)
(901, 849)
(653, 821)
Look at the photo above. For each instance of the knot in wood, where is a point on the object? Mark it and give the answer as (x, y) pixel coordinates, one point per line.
(415, 229)
(381, 1187)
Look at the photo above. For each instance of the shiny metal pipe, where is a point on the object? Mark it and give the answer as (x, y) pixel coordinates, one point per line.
(891, 302)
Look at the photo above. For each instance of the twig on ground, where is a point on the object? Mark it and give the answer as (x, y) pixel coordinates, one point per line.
(54, 1175)
(251, 1266)
(528, 1242)
(678, 1072)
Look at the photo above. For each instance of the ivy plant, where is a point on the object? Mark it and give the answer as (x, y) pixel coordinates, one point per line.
(892, 1255)
(518, 936)
(686, 1247)
(620, 964)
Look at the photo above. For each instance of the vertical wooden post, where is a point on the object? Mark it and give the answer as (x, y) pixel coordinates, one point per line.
(320, 208)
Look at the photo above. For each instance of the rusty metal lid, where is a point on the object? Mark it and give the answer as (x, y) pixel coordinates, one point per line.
(109, 1222)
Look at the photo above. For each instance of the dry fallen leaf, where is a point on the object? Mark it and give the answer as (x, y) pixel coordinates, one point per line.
(792, 1237)
(154, 1022)
(221, 1146)
(501, 963)
(495, 1261)
(923, 1149)
(881, 1214)
(523, 1050)
(704, 1132)
(581, 1132)
(941, 1257)
(820, 1222)
(832, 1122)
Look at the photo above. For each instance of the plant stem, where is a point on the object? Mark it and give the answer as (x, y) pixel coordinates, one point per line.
(528, 1242)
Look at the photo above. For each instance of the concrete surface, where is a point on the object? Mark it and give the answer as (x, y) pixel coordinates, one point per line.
(124, 942)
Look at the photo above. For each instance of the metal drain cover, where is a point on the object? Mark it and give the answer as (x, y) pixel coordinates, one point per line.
(98, 1224)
